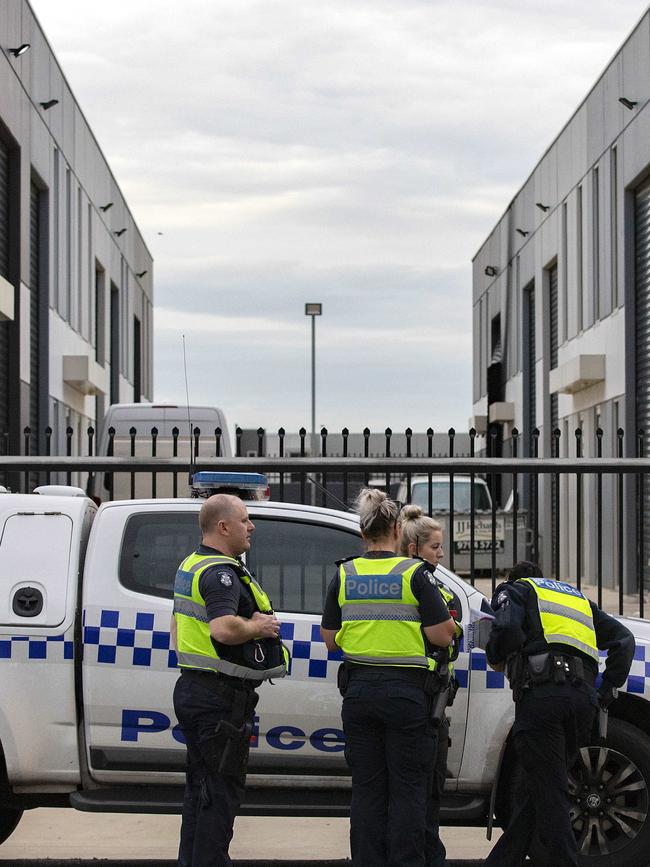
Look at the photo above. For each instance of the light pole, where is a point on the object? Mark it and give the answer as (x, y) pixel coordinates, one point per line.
(313, 310)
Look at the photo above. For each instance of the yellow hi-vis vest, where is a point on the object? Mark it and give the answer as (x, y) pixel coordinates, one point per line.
(565, 614)
(195, 646)
(380, 621)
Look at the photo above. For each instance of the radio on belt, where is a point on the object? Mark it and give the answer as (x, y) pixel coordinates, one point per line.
(248, 486)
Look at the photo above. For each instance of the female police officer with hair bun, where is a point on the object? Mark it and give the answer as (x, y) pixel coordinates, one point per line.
(422, 537)
(384, 611)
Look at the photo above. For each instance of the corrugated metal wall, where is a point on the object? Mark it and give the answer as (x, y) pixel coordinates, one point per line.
(642, 318)
(4, 272)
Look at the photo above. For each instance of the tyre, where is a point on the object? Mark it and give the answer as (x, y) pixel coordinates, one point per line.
(9, 819)
(609, 787)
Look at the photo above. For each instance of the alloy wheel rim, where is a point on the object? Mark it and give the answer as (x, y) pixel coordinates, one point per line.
(609, 800)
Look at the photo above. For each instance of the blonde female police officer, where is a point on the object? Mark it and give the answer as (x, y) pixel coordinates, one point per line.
(422, 537)
(386, 614)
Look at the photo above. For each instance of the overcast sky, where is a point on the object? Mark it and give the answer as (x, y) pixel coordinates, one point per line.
(352, 152)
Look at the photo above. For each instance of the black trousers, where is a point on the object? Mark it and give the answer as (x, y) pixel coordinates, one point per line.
(436, 854)
(390, 747)
(211, 799)
(551, 723)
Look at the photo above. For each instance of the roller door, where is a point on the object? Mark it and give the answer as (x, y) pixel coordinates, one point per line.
(553, 310)
(642, 311)
(34, 283)
(4, 272)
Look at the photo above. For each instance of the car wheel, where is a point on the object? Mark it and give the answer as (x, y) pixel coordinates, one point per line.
(609, 787)
(9, 819)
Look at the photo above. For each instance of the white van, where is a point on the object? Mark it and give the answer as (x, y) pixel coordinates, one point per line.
(122, 417)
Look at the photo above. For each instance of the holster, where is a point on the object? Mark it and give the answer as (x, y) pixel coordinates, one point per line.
(226, 751)
(343, 678)
(440, 702)
(453, 689)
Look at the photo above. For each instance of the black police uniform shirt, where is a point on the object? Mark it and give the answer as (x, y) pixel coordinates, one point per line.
(523, 629)
(431, 606)
(224, 593)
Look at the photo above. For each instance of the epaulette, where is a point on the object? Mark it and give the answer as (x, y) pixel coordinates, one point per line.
(346, 559)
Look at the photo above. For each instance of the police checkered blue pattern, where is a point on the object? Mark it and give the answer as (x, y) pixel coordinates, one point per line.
(32, 648)
(141, 639)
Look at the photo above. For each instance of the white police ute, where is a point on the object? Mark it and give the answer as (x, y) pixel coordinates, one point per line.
(87, 673)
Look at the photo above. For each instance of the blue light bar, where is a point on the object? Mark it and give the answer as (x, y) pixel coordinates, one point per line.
(248, 486)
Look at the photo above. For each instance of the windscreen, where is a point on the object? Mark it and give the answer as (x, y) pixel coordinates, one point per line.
(440, 496)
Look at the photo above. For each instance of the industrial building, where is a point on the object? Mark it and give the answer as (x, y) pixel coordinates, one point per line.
(561, 305)
(76, 288)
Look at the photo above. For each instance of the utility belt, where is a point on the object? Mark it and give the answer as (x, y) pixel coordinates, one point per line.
(440, 685)
(539, 669)
(226, 750)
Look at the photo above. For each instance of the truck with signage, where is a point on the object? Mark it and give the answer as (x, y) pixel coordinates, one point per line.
(434, 492)
(87, 671)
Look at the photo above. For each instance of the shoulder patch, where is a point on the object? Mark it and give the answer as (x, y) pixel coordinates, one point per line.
(428, 574)
(225, 579)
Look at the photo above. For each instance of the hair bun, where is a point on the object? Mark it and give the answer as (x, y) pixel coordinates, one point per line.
(411, 512)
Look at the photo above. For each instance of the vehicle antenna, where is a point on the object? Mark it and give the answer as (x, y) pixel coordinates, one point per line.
(189, 420)
(328, 493)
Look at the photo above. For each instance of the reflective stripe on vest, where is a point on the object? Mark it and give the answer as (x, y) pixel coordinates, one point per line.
(195, 646)
(380, 620)
(565, 615)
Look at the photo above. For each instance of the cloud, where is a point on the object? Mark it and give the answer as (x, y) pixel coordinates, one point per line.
(356, 154)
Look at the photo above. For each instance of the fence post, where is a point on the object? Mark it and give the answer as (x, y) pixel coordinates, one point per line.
(68, 451)
(366, 449)
(515, 497)
(345, 433)
(451, 433)
(217, 442)
(599, 519)
(323, 478)
(640, 530)
(260, 442)
(110, 452)
(175, 433)
(555, 493)
(27, 435)
(578, 436)
(238, 436)
(48, 451)
(154, 438)
(281, 435)
(302, 433)
(388, 433)
(534, 504)
(620, 433)
(132, 434)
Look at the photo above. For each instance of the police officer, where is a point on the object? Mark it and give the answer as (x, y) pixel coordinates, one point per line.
(385, 613)
(547, 635)
(422, 537)
(227, 640)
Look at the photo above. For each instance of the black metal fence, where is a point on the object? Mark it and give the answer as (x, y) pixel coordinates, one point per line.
(583, 518)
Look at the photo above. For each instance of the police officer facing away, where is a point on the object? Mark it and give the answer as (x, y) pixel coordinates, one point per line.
(227, 640)
(385, 613)
(422, 537)
(547, 635)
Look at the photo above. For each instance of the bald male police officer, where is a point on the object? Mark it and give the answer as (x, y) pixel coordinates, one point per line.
(547, 635)
(227, 640)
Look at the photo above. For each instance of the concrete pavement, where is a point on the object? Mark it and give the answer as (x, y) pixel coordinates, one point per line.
(66, 833)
